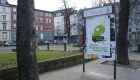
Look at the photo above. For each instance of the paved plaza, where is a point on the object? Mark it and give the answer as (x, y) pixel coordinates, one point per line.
(94, 71)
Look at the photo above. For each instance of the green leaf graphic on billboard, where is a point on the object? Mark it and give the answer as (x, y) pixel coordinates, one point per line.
(98, 31)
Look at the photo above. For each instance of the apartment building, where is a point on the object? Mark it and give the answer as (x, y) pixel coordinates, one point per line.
(60, 29)
(74, 27)
(134, 27)
(5, 21)
(13, 22)
(43, 24)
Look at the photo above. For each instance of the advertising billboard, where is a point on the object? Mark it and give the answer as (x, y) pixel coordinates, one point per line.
(98, 35)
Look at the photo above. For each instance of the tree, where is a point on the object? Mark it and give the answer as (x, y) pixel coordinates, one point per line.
(67, 13)
(134, 22)
(122, 40)
(26, 53)
(99, 3)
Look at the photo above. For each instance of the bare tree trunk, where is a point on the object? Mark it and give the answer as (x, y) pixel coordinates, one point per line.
(138, 48)
(122, 41)
(26, 53)
(69, 29)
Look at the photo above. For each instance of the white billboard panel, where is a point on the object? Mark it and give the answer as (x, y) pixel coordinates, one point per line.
(98, 35)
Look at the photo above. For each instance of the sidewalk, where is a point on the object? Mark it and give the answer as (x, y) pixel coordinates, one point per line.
(94, 71)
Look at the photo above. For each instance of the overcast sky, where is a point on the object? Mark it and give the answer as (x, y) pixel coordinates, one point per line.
(51, 5)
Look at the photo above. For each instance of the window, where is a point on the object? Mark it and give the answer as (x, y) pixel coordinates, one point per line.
(58, 22)
(4, 9)
(129, 29)
(14, 17)
(41, 36)
(37, 35)
(4, 17)
(58, 30)
(40, 13)
(47, 20)
(14, 26)
(58, 14)
(14, 36)
(4, 35)
(14, 9)
(36, 27)
(49, 15)
(50, 21)
(58, 34)
(4, 26)
(36, 19)
(58, 26)
(41, 28)
(36, 12)
(74, 28)
(41, 19)
(46, 14)
(47, 34)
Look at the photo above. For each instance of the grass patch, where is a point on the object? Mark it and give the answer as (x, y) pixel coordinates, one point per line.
(9, 60)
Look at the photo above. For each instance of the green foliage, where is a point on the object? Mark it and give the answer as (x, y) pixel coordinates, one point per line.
(9, 60)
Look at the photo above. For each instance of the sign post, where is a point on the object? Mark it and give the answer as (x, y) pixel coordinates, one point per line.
(84, 45)
(115, 61)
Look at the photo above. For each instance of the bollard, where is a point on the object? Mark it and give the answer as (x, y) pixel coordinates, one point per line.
(65, 46)
(48, 46)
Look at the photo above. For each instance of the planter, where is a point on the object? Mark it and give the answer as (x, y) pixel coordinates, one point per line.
(44, 66)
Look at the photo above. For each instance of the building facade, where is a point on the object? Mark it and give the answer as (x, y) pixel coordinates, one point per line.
(74, 28)
(43, 24)
(13, 22)
(60, 30)
(80, 24)
(134, 27)
(5, 21)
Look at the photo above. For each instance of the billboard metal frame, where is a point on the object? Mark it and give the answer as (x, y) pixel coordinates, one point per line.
(84, 37)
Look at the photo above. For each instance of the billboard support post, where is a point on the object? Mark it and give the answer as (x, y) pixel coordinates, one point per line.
(115, 61)
(114, 69)
(84, 36)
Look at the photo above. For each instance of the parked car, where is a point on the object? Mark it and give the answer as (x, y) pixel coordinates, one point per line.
(2, 43)
(8, 43)
(47, 42)
(13, 43)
